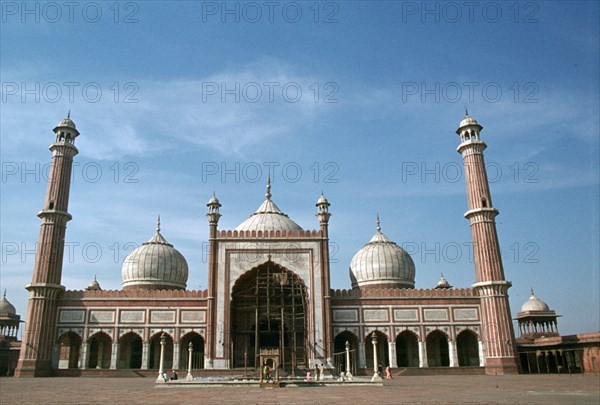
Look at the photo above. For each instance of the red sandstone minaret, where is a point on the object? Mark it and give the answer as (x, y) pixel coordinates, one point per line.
(497, 329)
(45, 288)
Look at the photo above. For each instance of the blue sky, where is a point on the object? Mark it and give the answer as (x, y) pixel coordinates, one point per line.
(360, 100)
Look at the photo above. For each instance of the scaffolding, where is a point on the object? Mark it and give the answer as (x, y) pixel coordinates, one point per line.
(268, 311)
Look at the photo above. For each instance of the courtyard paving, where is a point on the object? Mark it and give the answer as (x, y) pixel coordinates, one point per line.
(521, 389)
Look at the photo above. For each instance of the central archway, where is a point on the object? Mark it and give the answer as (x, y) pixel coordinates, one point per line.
(268, 311)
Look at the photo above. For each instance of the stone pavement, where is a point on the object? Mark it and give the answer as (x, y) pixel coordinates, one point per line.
(521, 389)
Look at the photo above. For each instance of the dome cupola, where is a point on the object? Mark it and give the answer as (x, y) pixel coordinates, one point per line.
(6, 306)
(382, 263)
(155, 265)
(443, 283)
(94, 285)
(534, 304)
(268, 217)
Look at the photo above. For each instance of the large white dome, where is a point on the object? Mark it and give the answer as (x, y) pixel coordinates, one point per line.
(268, 217)
(156, 264)
(382, 263)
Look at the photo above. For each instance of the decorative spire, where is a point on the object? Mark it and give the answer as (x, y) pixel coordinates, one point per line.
(466, 111)
(268, 195)
(69, 114)
(157, 225)
(532, 293)
(4, 296)
(378, 224)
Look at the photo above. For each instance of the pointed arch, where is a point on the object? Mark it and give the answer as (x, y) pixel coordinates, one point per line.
(339, 348)
(269, 310)
(130, 351)
(69, 348)
(197, 342)
(382, 349)
(154, 356)
(467, 348)
(407, 349)
(100, 346)
(437, 349)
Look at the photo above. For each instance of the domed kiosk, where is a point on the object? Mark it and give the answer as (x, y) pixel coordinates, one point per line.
(536, 318)
(155, 265)
(382, 263)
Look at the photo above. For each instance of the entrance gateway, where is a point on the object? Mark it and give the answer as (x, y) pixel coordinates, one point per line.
(268, 311)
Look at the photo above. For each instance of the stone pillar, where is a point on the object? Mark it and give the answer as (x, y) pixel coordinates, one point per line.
(83, 358)
(481, 353)
(392, 355)
(114, 355)
(376, 376)
(189, 376)
(145, 355)
(348, 373)
(423, 354)
(453, 355)
(161, 363)
(362, 358)
(175, 356)
(100, 357)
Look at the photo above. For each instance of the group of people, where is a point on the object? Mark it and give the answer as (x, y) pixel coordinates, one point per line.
(319, 373)
(174, 376)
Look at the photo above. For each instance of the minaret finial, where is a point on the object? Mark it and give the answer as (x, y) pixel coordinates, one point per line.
(378, 223)
(268, 195)
(158, 224)
(69, 114)
(4, 294)
(532, 293)
(466, 111)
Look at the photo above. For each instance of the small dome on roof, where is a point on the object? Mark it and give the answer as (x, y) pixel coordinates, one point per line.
(381, 261)
(6, 306)
(94, 285)
(534, 304)
(268, 217)
(443, 283)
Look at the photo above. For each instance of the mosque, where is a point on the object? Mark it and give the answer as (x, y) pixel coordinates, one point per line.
(269, 291)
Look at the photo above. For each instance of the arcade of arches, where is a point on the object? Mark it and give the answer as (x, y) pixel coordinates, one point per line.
(437, 350)
(128, 353)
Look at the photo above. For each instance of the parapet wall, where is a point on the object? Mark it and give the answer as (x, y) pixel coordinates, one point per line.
(268, 234)
(81, 294)
(404, 292)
